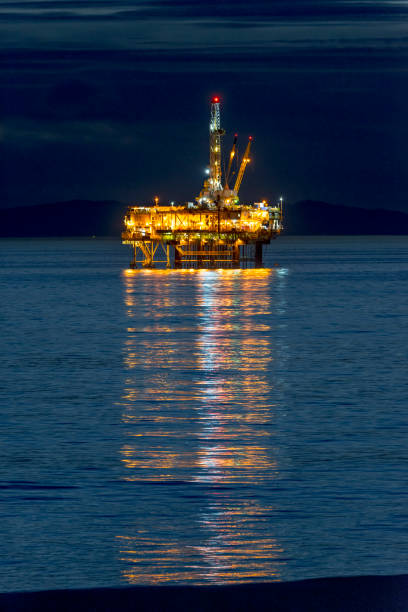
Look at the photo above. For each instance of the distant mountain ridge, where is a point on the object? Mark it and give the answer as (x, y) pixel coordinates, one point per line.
(308, 218)
(105, 218)
(61, 219)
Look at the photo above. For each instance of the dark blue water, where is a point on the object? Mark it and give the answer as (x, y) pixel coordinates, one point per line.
(202, 426)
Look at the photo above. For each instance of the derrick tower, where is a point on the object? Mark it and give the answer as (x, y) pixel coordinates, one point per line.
(215, 147)
(215, 230)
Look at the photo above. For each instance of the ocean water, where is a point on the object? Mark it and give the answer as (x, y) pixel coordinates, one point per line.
(202, 427)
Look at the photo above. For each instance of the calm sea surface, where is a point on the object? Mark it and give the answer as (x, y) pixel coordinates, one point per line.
(202, 426)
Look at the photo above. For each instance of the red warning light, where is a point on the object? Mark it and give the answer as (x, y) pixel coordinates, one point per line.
(215, 99)
(250, 138)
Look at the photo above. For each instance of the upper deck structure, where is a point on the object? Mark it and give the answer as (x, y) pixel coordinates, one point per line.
(214, 231)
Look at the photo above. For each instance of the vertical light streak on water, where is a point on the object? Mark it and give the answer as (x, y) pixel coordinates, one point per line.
(234, 390)
(199, 407)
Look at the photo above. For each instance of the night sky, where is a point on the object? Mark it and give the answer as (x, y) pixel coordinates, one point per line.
(109, 99)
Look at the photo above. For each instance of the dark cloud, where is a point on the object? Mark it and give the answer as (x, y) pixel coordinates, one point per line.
(73, 16)
(169, 25)
(175, 9)
(109, 100)
(294, 9)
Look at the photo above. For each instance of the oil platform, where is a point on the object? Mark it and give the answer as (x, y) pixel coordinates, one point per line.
(215, 231)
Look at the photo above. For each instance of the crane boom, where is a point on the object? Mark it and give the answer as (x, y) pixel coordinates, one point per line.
(232, 155)
(244, 162)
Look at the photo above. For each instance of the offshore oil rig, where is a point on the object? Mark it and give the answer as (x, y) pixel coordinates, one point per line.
(215, 230)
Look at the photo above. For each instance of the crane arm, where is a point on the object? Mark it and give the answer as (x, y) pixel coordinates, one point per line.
(244, 162)
(232, 155)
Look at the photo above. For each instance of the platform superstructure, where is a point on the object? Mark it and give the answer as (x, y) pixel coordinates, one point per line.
(214, 231)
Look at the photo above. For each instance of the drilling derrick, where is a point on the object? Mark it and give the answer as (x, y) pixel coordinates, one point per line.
(215, 230)
(215, 148)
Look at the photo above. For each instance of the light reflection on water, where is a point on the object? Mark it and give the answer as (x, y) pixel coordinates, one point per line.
(199, 407)
(188, 426)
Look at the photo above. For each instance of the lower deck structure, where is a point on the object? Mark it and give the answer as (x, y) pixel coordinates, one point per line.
(200, 236)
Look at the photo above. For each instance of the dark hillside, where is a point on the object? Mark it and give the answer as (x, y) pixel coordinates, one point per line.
(74, 218)
(88, 218)
(318, 218)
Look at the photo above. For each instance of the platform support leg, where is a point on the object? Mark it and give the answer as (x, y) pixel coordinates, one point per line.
(235, 255)
(147, 250)
(258, 254)
(177, 258)
(133, 261)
